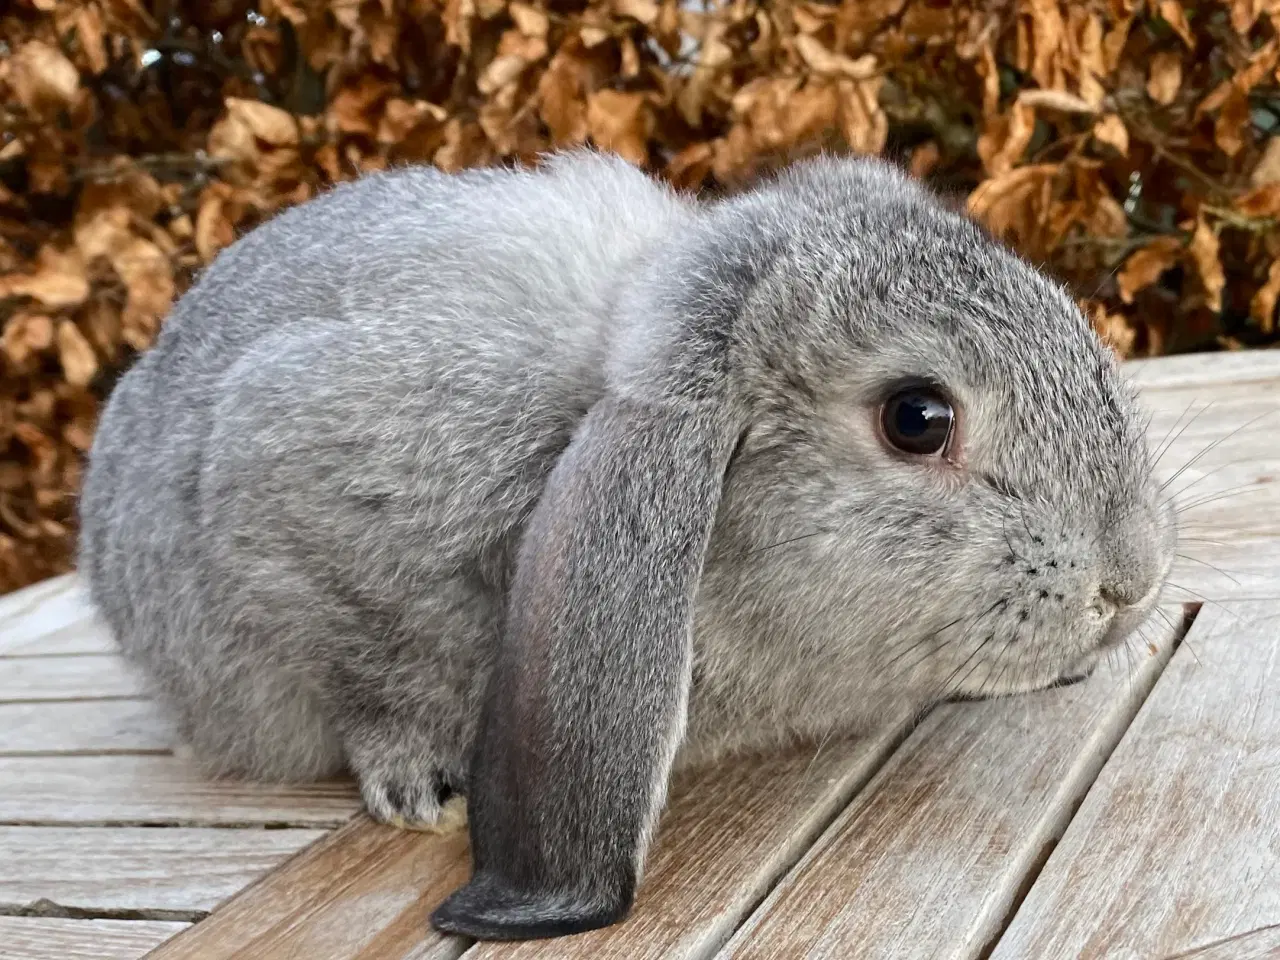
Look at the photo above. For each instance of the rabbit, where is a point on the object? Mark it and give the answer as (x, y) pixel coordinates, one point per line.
(532, 484)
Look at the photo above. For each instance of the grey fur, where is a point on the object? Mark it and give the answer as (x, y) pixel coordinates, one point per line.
(305, 504)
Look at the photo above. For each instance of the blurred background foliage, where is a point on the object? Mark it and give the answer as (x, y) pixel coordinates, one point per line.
(1131, 148)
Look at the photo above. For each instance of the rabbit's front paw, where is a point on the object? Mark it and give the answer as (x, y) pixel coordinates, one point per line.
(422, 800)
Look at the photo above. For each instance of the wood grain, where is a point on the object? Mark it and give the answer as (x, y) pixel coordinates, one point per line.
(1205, 371)
(726, 836)
(168, 873)
(87, 726)
(365, 892)
(31, 679)
(53, 938)
(1256, 945)
(927, 861)
(52, 617)
(152, 790)
(1178, 843)
(1219, 457)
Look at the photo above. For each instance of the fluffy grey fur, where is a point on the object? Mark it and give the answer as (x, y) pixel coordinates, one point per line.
(544, 427)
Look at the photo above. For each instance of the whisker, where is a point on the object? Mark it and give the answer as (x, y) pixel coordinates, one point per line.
(924, 639)
(946, 686)
(1215, 497)
(1215, 543)
(1205, 476)
(783, 543)
(1214, 445)
(1169, 439)
(1206, 563)
(929, 652)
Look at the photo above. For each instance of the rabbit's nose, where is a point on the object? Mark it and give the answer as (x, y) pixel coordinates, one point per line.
(1120, 594)
(1134, 557)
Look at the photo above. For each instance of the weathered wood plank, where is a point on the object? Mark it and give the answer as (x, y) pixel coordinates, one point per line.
(30, 679)
(1178, 843)
(169, 873)
(365, 891)
(726, 836)
(1205, 371)
(149, 790)
(1219, 458)
(53, 617)
(86, 726)
(929, 858)
(1256, 945)
(54, 938)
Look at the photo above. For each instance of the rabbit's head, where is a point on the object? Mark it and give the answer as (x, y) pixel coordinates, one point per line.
(944, 486)
(925, 478)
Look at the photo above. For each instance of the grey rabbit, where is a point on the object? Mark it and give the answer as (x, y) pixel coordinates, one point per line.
(529, 484)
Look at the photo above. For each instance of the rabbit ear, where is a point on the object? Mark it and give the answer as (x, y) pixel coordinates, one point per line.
(586, 704)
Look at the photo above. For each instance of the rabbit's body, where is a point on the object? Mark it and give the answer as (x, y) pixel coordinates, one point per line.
(305, 498)
(433, 477)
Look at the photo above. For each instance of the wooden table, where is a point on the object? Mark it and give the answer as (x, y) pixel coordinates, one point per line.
(1135, 815)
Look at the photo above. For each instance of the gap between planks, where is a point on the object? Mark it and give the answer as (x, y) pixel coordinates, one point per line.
(933, 857)
(1179, 839)
(725, 837)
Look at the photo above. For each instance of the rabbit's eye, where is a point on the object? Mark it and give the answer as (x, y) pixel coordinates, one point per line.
(918, 420)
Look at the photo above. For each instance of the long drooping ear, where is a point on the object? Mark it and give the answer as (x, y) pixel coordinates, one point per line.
(586, 705)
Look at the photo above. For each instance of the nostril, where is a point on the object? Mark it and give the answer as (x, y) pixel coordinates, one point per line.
(1121, 595)
(1103, 607)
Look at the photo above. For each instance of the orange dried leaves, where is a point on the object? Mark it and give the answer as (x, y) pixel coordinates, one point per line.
(1127, 146)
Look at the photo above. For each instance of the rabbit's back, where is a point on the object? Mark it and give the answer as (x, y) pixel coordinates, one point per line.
(327, 456)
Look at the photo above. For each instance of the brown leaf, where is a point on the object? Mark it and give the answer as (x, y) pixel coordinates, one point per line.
(1112, 131)
(100, 232)
(1173, 14)
(1263, 201)
(43, 79)
(562, 97)
(1261, 64)
(25, 336)
(214, 229)
(645, 11)
(924, 159)
(1048, 31)
(148, 278)
(1165, 77)
(826, 62)
(1004, 202)
(1244, 13)
(269, 124)
(91, 36)
(1233, 118)
(1204, 251)
(1055, 100)
(862, 121)
(1113, 43)
(79, 363)
(1267, 169)
(354, 108)
(1004, 142)
(1263, 305)
(1114, 329)
(500, 72)
(401, 116)
(690, 167)
(529, 20)
(1145, 266)
(59, 281)
(620, 122)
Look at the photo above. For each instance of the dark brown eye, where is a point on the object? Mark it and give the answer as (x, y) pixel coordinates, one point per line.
(918, 420)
